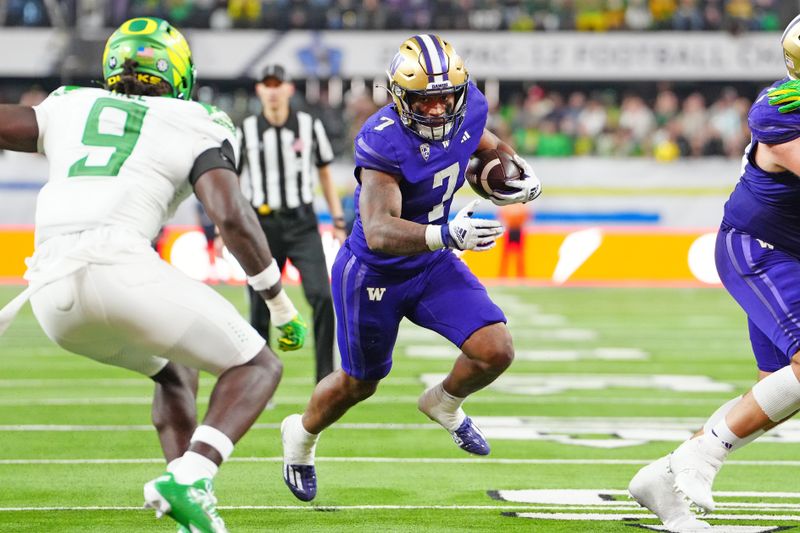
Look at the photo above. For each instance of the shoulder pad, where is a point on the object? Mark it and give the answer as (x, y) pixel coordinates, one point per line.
(375, 143)
(219, 116)
(768, 125)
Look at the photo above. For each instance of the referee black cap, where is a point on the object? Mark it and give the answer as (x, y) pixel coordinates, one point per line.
(274, 71)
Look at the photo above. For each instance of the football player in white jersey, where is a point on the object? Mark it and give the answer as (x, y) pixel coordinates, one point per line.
(121, 160)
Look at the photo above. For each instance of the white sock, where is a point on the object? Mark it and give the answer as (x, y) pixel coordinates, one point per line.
(723, 433)
(300, 444)
(720, 414)
(713, 446)
(442, 407)
(192, 467)
(173, 464)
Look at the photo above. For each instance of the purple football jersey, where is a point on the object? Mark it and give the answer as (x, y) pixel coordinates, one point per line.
(767, 205)
(431, 171)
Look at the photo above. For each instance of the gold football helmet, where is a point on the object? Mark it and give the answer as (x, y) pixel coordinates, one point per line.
(791, 48)
(427, 66)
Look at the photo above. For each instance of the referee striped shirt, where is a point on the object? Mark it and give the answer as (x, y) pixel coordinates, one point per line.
(276, 161)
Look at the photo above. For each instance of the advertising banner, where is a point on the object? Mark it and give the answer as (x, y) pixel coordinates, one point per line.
(612, 256)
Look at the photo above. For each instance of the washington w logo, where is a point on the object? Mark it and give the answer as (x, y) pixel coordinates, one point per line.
(376, 293)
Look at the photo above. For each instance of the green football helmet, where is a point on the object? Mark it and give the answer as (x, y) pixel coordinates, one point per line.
(160, 50)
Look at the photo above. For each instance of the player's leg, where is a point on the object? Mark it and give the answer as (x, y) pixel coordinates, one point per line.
(174, 410)
(763, 282)
(307, 255)
(121, 314)
(453, 303)
(366, 332)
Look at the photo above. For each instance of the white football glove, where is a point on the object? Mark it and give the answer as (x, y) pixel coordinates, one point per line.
(529, 187)
(467, 233)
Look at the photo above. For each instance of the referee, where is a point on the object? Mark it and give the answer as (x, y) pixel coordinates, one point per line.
(280, 148)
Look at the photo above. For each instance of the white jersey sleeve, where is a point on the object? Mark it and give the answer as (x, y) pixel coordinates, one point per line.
(45, 109)
(120, 161)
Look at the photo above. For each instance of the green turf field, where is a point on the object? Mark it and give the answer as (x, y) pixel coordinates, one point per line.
(587, 402)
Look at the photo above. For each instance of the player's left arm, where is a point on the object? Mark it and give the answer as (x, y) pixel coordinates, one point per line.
(19, 130)
(528, 186)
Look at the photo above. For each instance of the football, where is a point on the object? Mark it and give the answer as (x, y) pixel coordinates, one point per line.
(489, 170)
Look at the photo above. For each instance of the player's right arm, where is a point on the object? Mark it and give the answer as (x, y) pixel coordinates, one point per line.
(380, 205)
(19, 130)
(387, 232)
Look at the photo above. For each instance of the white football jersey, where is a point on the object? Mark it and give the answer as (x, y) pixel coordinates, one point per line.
(119, 160)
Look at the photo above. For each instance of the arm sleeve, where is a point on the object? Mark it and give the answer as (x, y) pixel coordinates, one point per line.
(217, 157)
(323, 152)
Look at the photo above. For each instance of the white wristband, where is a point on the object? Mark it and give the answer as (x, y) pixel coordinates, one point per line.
(433, 237)
(265, 279)
(281, 309)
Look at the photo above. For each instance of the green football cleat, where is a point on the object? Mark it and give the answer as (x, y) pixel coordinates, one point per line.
(293, 334)
(193, 507)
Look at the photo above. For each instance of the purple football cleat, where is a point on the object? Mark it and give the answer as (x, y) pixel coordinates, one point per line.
(469, 438)
(301, 480)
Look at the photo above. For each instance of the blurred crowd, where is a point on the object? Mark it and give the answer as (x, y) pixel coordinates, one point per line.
(542, 122)
(615, 122)
(482, 15)
(610, 124)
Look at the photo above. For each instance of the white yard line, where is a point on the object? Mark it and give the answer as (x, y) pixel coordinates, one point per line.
(144, 382)
(594, 517)
(575, 516)
(290, 508)
(293, 400)
(399, 460)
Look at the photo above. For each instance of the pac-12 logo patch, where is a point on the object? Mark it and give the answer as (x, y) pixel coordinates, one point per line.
(425, 150)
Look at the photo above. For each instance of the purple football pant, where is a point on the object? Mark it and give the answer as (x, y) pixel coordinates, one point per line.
(444, 297)
(764, 281)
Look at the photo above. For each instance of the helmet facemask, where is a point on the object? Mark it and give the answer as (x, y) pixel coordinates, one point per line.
(430, 127)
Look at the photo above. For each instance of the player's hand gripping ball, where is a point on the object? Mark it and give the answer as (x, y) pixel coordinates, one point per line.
(502, 178)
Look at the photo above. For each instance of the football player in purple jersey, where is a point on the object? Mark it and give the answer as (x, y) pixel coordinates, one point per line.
(398, 262)
(758, 260)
